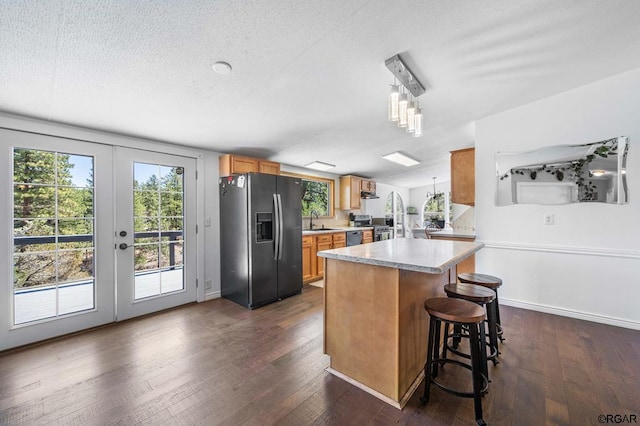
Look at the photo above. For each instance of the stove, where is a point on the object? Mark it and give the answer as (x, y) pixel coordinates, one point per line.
(381, 232)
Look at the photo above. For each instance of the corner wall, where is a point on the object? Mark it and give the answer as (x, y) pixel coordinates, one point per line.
(585, 265)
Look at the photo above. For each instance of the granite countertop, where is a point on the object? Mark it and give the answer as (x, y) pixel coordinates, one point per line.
(453, 233)
(420, 255)
(319, 231)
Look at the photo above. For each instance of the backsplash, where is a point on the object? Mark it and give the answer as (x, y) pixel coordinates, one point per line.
(341, 218)
(464, 219)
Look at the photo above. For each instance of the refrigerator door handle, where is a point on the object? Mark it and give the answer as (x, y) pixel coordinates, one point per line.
(280, 227)
(276, 219)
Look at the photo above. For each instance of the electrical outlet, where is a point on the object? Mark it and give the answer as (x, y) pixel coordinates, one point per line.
(549, 219)
(207, 221)
(207, 285)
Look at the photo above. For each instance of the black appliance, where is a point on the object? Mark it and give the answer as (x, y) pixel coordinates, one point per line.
(368, 195)
(260, 238)
(354, 238)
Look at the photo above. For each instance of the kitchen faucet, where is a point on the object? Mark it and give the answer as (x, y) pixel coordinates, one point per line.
(313, 212)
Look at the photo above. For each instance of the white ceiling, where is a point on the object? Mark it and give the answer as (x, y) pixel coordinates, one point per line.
(309, 80)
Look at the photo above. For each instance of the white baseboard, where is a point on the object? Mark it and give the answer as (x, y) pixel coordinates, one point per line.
(617, 322)
(211, 296)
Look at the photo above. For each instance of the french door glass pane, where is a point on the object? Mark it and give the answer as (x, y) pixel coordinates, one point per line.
(158, 204)
(53, 234)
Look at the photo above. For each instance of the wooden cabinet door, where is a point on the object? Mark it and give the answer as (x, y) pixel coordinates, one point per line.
(463, 175)
(367, 236)
(308, 259)
(241, 165)
(323, 242)
(355, 192)
(339, 240)
(269, 167)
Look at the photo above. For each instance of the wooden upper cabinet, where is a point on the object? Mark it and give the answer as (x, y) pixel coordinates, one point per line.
(236, 164)
(270, 167)
(368, 185)
(351, 188)
(350, 192)
(463, 176)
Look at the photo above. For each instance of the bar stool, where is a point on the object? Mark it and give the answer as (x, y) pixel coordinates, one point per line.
(488, 281)
(453, 311)
(485, 298)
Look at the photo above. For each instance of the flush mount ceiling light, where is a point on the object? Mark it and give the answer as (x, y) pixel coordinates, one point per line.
(400, 158)
(406, 112)
(598, 173)
(319, 165)
(222, 68)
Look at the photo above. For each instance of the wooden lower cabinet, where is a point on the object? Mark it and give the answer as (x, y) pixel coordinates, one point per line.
(339, 240)
(312, 265)
(308, 259)
(323, 242)
(367, 236)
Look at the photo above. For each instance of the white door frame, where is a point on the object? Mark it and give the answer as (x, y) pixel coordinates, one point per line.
(37, 128)
(16, 335)
(126, 305)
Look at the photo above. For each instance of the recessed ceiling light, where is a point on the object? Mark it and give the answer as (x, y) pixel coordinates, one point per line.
(319, 165)
(222, 68)
(400, 158)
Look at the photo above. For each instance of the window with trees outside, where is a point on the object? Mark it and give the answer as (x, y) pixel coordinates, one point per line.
(158, 204)
(434, 210)
(53, 234)
(318, 195)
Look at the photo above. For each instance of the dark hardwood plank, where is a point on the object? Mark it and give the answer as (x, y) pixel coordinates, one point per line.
(218, 363)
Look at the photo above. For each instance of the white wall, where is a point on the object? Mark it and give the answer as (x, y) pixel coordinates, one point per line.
(375, 207)
(587, 264)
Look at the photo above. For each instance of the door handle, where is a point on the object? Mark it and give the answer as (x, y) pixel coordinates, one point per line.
(124, 246)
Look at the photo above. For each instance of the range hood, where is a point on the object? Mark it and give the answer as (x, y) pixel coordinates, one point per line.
(367, 195)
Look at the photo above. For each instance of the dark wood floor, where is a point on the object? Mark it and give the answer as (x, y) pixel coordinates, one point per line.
(217, 363)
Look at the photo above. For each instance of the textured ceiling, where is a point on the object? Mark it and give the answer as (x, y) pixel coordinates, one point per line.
(308, 80)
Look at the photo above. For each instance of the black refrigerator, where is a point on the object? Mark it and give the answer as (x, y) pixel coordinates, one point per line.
(260, 238)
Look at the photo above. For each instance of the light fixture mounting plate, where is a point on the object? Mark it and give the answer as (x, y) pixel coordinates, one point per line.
(408, 79)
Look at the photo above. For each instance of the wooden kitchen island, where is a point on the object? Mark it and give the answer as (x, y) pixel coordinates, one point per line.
(375, 325)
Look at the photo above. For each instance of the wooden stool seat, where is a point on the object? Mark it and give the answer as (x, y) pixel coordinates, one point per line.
(446, 311)
(454, 310)
(472, 293)
(484, 280)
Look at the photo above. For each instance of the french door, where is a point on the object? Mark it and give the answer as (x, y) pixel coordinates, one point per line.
(92, 234)
(155, 231)
(56, 220)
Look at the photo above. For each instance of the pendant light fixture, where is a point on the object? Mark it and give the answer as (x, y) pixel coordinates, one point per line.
(402, 110)
(407, 114)
(393, 102)
(411, 117)
(417, 120)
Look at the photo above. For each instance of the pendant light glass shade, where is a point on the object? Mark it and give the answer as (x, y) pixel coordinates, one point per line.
(418, 123)
(393, 102)
(411, 114)
(402, 110)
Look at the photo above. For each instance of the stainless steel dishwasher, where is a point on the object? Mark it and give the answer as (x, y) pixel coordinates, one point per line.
(354, 238)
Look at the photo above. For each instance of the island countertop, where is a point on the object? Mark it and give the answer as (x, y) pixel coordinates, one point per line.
(419, 255)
